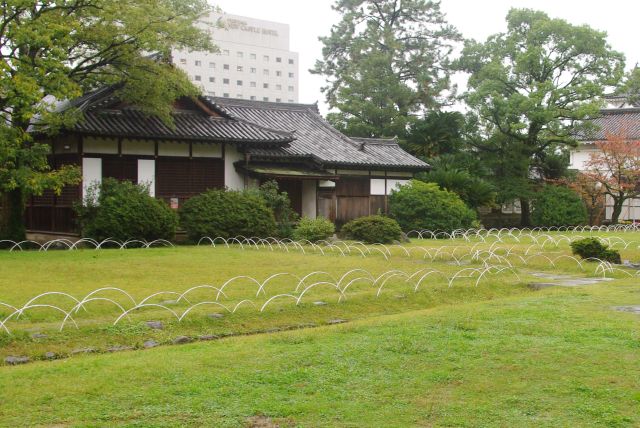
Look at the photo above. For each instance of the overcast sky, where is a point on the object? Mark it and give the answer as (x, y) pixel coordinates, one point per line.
(309, 19)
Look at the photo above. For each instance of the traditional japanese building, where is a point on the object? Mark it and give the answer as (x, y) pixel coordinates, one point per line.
(217, 143)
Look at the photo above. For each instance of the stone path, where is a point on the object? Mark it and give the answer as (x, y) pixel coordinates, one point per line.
(554, 280)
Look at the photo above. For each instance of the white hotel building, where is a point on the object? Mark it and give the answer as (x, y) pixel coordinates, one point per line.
(254, 61)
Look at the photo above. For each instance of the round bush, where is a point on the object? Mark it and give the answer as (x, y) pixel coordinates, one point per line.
(558, 206)
(593, 248)
(374, 229)
(226, 214)
(122, 211)
(313, 229)
(419, 205)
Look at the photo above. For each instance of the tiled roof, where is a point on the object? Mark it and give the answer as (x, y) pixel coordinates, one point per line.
(315, 138)
(103, 115)
(625, 121)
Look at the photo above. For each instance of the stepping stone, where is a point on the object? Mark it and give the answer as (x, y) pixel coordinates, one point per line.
(632, 309)
(51, 355)
(208, 337)
(336, 321)
(319, 303)
(84, 351)
(118, 348)
(150, 344)
(39, 336)
(169, 302)
(155, 325)
(182, 339)
(215, 316)
(14, 361)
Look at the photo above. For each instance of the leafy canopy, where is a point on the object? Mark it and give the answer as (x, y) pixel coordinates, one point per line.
(385, 60)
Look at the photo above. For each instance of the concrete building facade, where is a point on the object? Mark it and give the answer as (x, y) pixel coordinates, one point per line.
(253, 63)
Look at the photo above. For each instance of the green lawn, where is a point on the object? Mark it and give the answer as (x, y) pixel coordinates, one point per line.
(498, 354)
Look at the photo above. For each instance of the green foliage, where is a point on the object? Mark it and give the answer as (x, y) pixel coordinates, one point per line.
(530, 89)
(280, 204)
(122, 210)
(473, 190)
(313, 229)
(558, 206)
(438, 133)
(594, 248)
(228, 214)
(630, 86)
(60, 50)
(384, 61)
(374, 229)
(420, 205)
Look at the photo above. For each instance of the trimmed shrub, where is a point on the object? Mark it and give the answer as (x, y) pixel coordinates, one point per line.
(313, 229)
(280, 204)
(226, 213)
(122, 210)
(374, 229)
(558, 206)
(420, 205)
(594, 248)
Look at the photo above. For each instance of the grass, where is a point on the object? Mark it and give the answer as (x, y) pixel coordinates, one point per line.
(494, 355)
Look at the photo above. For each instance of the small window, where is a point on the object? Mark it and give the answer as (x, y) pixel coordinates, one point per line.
(252, 84)
(240, 54)
(265, 58)
(226, 66)
(252, 97)
(212, 65)
(211, 93)
(279, 87)
(291, 75)
(239, 96)
(212, 79)
(239, 68)
(278, 73)
(197, 78)
(252, 56)
(265, 98)
(226, 95)
(252, 70)
(290, 88)
(265, 85)
(289, 101)
(278, 59)
(290, 61)
(225, 81)
(183, 60)
(198, 63)
(239, 82)
(265, 72)
(278, 100)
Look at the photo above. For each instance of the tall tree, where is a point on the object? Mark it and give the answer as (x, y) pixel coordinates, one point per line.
(58, 49)
(532, 86)
(384, 61)
(630, 86)
(616, 167)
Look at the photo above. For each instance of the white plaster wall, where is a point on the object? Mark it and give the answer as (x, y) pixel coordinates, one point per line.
(205, 150)
(91, 174)
(138, 147)
(170, 148)
(147, 174)
(100, 145)
(579, 156)
(378, 187)
(232, 179)
(309, 198)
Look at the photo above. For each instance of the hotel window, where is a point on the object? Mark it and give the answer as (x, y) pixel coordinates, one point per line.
(265, 98)
(252, 97)
(278, 59)
(265, 72)
(290, 88)
(252, 84)
(252, 70)
(252, 56)
(291, 75)
(226, 66)
(239, 68)
(225, 52)
(240, 54)
(239, 96)
(212, 79)
(211, 93)
(278, 73)
(290, 101)
(197, 78)
(198, 63)
(265, 85)
(212, 65)
(279, 87)
(290, 61)
(225, 95)
(278, 100)
(266, 58)
(239, 82)
(225, 81)
(183, 60)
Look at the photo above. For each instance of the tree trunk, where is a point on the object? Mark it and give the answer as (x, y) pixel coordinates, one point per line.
(525, 215)
(12, 215)
(617, 209)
